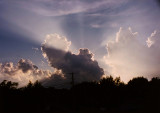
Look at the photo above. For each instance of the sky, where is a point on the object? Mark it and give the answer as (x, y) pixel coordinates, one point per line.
(118, 38)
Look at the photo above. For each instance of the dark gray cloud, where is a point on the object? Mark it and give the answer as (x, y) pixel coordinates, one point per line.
(57, 80)
(82, 64)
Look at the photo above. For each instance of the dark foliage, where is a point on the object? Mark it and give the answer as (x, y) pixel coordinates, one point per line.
(109, 95)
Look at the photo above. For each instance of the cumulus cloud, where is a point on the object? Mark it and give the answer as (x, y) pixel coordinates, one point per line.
(58, 42)
(56, 50)
(128, 58)
(23, 72)
(82, 64)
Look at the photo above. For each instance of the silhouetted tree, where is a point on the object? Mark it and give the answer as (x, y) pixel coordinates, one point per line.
(37, 84)
(118, 81)
(109, 95)
(138, 82)
(107, 82)
(155, 82)
(29, 85)
(8, 84)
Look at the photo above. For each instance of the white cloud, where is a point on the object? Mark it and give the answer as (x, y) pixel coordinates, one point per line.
(23, 72)
(154, 40)
(56, 41)
(129, 58)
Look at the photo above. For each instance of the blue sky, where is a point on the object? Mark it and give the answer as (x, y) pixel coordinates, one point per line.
(90, 24)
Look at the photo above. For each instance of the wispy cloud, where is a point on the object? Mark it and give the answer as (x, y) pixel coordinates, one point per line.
(63, 7)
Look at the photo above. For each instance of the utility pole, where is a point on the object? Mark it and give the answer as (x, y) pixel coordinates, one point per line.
(73, 96)
(72, 82)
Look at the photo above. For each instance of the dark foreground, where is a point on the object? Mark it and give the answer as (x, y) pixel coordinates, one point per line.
(108, 96)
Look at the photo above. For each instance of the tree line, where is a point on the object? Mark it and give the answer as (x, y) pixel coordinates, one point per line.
(108, 95)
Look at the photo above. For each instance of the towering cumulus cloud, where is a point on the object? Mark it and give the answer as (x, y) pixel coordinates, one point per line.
(56, 50)
(128, 58)
(58, 56)
(23, 72)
